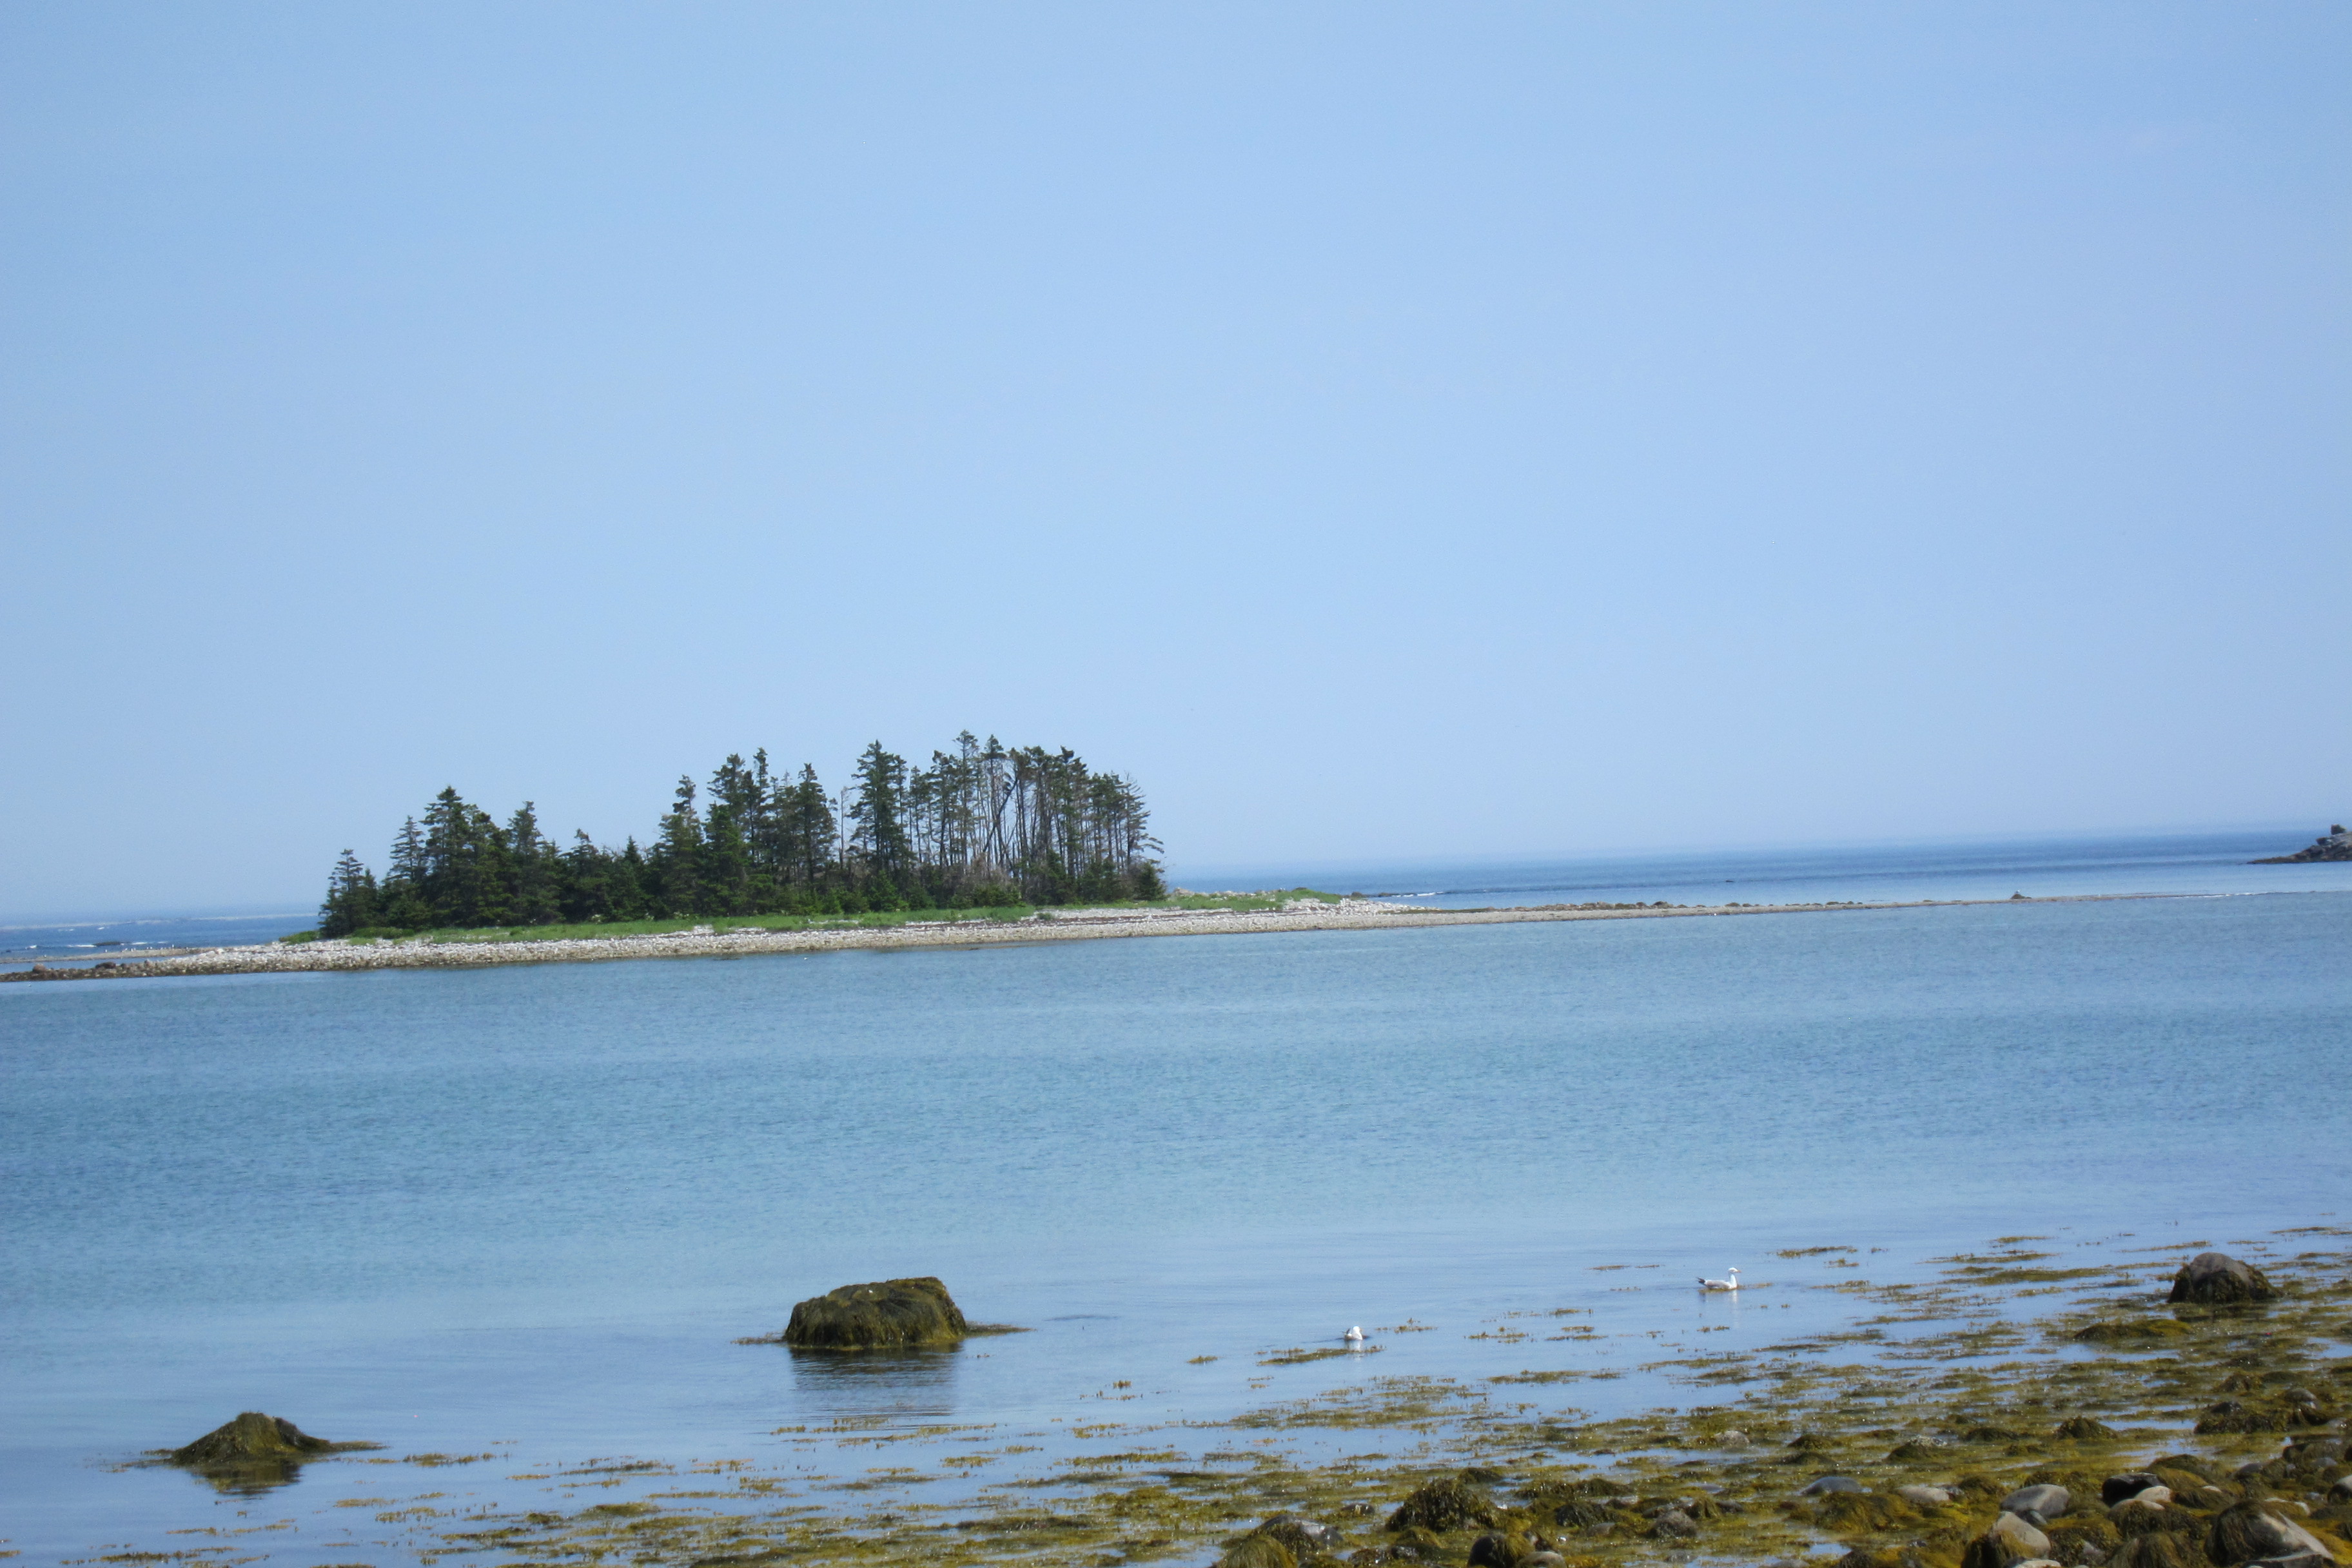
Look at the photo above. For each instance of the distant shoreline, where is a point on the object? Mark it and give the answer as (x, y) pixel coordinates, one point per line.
(1076, 925)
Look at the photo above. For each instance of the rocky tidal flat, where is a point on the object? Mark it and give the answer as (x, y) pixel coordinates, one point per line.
(2174, 1410)
(718, 941)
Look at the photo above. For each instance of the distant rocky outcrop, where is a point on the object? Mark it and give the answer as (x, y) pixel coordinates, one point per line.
(2336, 846)
(890, 1314)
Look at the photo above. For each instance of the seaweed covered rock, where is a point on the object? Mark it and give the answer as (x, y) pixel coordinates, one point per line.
(2084, 1538)
(251, 1437)
(1418, 1544)
(2217, 1279)
(1452, 1503)
(2252, 1531)
(2155, 1512)
(1304, 1537)
(2082, 1429)
(2310, 1456)
(1258, 1550)
(1673, 1524)
(252, 1452)
(2266, 1412)
(1858, 1512)
(1500, 1548)
(890, 1314)
(2163, 1549)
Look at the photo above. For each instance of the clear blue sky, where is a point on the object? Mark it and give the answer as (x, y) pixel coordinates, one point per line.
(1388, 431)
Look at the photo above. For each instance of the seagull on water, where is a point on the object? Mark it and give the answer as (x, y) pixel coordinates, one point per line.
(1354, 1336)
(1731, 1284)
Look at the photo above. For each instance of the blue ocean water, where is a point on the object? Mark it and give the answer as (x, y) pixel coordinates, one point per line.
(128, 936)
(2075, 866)
(534, 1207)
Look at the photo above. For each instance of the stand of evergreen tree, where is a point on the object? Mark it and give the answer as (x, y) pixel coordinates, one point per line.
(982, 826)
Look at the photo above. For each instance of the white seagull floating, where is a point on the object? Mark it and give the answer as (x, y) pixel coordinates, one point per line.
(1731, 1284)
(1354, 1336)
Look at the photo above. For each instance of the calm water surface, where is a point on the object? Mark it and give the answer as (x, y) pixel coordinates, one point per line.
(536, 1204)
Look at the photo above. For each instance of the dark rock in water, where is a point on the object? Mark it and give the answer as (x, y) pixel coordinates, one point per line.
(2117, 1489)
(2258, 1530)
(890, 1314)
(2336, 846)
(1443, 1505)
(252, 1436)
(1827, 1484)
(2082, 1429)
(254, 1452)
(2341, 1491)
(1255, 1551)
(2049, 1501)
(2215, 1279)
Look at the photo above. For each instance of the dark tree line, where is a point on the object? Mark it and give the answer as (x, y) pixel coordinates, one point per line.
(982, 826)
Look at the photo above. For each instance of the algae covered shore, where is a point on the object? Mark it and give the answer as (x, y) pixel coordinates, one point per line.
(1300, 911)
(1897, 1438)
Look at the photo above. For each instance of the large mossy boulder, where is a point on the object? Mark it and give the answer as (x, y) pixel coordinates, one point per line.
(2217, 1279)
(252, 1452)
(252, 1437)
(890, 1314)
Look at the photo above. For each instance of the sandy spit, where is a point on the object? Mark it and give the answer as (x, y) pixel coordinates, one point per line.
(1070, 925)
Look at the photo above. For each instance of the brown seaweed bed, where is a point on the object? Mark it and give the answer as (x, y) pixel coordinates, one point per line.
(1972, 1379)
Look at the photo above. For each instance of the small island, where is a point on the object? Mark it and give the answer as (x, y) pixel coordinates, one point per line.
(983, 826)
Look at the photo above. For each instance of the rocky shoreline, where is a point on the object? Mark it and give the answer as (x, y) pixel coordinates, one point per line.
(1946, 1424)
(1059, 925)
(2336, 844)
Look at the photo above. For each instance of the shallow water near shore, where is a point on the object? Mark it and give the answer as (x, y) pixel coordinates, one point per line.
(454, 1210)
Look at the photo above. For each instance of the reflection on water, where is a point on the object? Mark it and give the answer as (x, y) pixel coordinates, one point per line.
(883, 1387)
